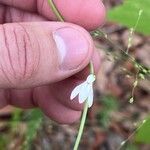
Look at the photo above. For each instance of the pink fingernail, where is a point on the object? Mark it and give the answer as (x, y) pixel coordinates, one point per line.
(72, 46)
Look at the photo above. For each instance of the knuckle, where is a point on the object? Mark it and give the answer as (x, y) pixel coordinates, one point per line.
(20, 55)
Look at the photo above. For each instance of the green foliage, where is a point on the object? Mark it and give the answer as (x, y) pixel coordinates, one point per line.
(129, 146)
(143, 134)
(3, 141)
(16, 118)
(127, 15)
(109, 104)
(33, 124)
(33, 121)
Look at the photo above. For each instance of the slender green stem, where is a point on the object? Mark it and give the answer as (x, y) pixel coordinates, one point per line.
(82, 123)
(55, 10)
(85, 110)
(84, 114)
(91, 67)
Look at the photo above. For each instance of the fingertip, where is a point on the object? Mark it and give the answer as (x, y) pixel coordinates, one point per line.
(99, 15)
(53, 108)
(70, 117)
(96, 60)
(89, 14)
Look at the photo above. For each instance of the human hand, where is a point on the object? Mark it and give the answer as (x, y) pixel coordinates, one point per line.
(42, 61)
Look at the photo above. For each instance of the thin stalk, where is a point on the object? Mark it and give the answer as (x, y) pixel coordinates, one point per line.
(91, 67)
(83, 118)
(85, 110)
(100, 33)
(55, 10)
(82, 123)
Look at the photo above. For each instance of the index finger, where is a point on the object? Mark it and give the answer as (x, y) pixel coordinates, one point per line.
(87, 13)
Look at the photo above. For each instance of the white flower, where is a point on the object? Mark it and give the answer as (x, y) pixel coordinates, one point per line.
(85, 91)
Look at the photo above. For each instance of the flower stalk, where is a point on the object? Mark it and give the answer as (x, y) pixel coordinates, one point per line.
(82, 123)
(86, 104)
(55, 10)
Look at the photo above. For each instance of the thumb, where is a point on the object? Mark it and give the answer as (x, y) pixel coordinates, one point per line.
(33, 54)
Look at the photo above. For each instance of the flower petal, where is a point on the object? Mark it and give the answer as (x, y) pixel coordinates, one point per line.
(84, 92)
(90, 96)
(75, 91)
(90, 78)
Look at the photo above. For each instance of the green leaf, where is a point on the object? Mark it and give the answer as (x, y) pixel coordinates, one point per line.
(130, 147)
(109, 104)
(3, 141)
(127, 15)
(32, 127)
(143, 134)
(16, 118)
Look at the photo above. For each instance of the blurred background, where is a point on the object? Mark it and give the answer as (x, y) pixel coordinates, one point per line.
(120, 117)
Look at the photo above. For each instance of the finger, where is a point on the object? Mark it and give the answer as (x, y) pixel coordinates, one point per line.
(33, 54)
(18, 98)
(43, 98)
(24, 98)
(96, 61)
(53, 108)
(21, 98)
(90, 13)
(3, 98)
(10, 14)
(22, 4)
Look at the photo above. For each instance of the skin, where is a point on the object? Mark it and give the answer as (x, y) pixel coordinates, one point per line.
(42, 84)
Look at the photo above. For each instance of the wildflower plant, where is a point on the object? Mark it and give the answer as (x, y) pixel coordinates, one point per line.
(84, 91)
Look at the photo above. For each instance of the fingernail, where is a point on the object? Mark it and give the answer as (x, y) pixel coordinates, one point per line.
(72, 47)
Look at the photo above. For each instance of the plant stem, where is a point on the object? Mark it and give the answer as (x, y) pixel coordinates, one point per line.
(85, 110)
(91, 67)
(55, 10)
(83, 118)
(100, 33)
(82, 123)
